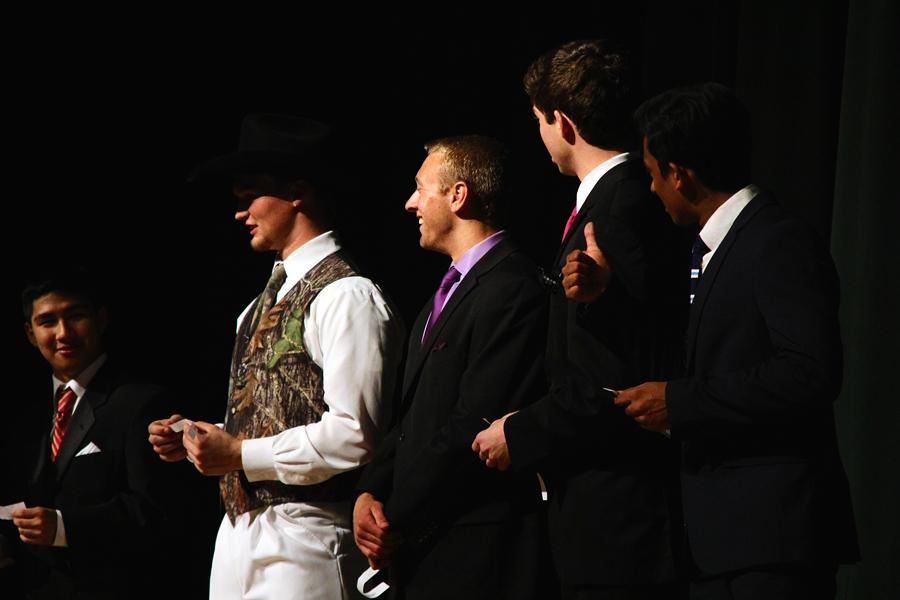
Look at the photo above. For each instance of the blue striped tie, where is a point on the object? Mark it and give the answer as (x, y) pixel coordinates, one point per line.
(697, 253)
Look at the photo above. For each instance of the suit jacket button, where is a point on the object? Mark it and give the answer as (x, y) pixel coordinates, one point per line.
(233, 410)
(402, 435)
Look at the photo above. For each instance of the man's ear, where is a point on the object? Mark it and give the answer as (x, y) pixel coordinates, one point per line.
(459, 196)
(299, 192)
(102, 319)
(29, 333)
(684, 181)
(677, 174)
(567, 128)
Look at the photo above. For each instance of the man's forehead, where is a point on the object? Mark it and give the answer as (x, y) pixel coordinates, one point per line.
(58, 302)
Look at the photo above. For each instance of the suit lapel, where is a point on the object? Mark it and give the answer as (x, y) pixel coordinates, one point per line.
(468, 283)
(80, 424)
(82, 420)
(415, 351)
(707, 280)
(595, 202)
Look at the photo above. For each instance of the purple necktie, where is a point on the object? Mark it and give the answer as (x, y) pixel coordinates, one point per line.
(570, 221)
(440, 296)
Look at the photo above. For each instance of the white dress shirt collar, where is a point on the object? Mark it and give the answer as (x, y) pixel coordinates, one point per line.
(300, 261)
(591, 179)
(719, 224)
(80, 383)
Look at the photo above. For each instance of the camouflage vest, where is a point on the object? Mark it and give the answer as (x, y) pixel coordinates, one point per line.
(275, 386)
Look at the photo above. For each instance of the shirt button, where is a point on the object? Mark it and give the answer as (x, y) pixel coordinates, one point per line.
(233, 410)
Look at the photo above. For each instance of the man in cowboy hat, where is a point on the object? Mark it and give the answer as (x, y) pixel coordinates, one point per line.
(316, 355)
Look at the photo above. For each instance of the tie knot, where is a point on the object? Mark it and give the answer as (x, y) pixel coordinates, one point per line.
(700, 247)
(276, 280)
(64, 397)
(450, 277)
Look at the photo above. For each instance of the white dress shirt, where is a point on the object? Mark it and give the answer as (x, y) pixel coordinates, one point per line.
(720, 222)
(352, 333)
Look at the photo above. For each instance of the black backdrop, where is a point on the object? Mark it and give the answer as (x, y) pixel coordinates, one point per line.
(101, 131)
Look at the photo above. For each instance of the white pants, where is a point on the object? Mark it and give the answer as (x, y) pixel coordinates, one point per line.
(290, 551)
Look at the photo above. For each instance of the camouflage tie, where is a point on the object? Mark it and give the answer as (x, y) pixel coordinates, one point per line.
(267, 299)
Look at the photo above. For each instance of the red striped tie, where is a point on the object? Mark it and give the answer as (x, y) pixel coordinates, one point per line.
(62, 418)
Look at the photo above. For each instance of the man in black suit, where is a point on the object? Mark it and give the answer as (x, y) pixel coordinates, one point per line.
(611, 498)
(448, 527)
(93, 514)
(766, 502)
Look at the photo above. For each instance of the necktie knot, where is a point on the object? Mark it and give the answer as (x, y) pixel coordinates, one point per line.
(277, 279)
(440, 297)
(65, 396)
(700, 247)
(697, 252)
(450, 277)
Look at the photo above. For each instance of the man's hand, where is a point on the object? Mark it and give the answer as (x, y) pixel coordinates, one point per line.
(586, 273)
(370, 531)
(165, 442)
(36, 525)
(213, 451)
(647, 404)
(490, 445)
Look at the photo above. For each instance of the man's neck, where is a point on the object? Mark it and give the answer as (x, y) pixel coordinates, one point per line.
(467, 236)
(586, 158)
(300, 236)
(710, 203)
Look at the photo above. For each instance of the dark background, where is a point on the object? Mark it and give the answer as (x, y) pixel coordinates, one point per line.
(101, 133)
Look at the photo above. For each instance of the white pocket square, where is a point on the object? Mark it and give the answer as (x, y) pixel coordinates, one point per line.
(91, 448)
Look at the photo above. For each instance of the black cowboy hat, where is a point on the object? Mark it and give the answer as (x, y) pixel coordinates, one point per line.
(273, 144)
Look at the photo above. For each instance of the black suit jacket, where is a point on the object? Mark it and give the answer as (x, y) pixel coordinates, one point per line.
(762, 479)
(614, 509)
(471, 532)
(112, 501)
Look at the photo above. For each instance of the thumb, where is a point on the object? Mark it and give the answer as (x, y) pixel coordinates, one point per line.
(203, 426)
(378, 515)
(592, 248)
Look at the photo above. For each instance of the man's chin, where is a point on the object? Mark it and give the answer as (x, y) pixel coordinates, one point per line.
(259, 244)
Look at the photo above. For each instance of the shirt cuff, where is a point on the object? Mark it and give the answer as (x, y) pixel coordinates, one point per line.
(60, 538)
(258, 459)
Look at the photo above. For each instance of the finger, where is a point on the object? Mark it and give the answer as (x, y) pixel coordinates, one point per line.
(367, 550)
(173, 419)
(379, 516)
(204, 427)
(174, 456)
(635, 408)
(26, 523)
(580, 262)
(622, 399)
(165, 441)
(171, 451)
(589, 239)
(574, 279)
(369, 537)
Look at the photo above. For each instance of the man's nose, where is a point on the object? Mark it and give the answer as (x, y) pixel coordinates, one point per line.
(63, 329)
(412, 205)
